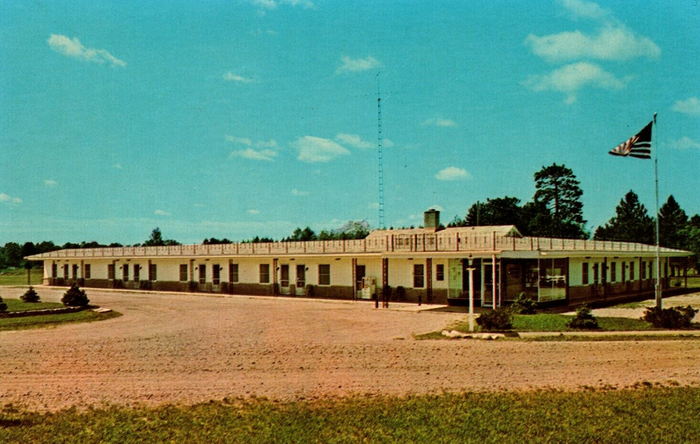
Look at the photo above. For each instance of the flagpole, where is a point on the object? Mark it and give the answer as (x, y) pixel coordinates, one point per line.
(657, 281)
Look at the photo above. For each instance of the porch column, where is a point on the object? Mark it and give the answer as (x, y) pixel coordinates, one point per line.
(429, 279)
(471, 296)
(494, 282)
(353, 264)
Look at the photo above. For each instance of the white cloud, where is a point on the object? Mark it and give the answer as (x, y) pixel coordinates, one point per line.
(373, 205)
(354, 65)
(118, 166)
(253, 154)
(354, 141)
(318, 149)
(296, 192)
(685, 143)
(273, 4)
(584, 9)
(231, 77)
(452, 173)
(272, 143)
(73, 48)
(388, 143)
(239, 140)
(445, 123)
(611, 43)
(691, 105)
(253, 211)
(436, 207)
(6, 198)
(571, 78)
(50, 182)
(162, 213)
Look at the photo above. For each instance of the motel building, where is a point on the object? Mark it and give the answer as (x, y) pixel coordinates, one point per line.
(429, 264)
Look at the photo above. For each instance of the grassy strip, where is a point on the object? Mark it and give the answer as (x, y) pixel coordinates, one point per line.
(18, 276)
(631, 415)
(19, 305)
(557, 322)
(587, 338)
(54, 320)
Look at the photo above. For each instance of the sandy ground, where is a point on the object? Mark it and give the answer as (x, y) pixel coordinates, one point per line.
(179, 348)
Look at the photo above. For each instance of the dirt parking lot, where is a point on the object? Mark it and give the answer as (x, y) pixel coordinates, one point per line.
(183, 348)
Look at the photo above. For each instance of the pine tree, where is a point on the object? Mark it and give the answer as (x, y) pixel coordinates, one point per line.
(558, 190)
(631, 223)
(672, 222)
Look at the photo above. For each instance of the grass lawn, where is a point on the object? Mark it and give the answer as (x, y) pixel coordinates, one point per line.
(54, 320)
(631, 415)
(19, 305)
(557, 322)
(18, 276)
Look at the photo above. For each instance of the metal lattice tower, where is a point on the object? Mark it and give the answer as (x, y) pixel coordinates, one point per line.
(380, 155)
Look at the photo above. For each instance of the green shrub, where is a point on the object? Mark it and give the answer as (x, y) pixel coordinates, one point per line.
(496, 320)
(583, 320)
(309, 291)
(3, 306)
(674, 317)
(30, 295)
(524, 305)
(75, 297)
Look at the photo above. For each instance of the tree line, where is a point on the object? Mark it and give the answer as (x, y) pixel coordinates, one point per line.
(555, 210)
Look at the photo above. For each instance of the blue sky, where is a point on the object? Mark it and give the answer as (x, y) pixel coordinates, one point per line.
(243, 118)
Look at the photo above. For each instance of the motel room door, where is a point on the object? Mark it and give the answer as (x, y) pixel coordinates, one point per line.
(284, 278)
(301, 280)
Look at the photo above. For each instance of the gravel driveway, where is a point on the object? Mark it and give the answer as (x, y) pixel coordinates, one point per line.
(180, 348)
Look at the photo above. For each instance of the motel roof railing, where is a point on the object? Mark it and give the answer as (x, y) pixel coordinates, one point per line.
(442, 242)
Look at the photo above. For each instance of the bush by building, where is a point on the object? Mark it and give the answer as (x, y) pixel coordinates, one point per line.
(75, 297)
(496, 320)
(584, 320)
(30, 295)
(524, 305)
(3, 306)
(673, 318)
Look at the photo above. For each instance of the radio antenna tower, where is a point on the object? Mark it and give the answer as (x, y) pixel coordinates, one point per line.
(380, 155)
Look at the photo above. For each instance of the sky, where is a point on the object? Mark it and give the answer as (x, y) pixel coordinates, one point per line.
(242, 118)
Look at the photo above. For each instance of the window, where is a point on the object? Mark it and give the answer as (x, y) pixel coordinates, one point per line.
(65, 271)
(418, 276)
(125, 272)
(613, 271)
(88, 271)
(440, 272)
(643, 270)
(54, 270)
(233, 272)
(202, 273)
(264, 273)
(216, 274)
(584, 273)
(631, 270)
(152, 272)
(137, 272)
(324, 274)
(110, 271)
(183, 272)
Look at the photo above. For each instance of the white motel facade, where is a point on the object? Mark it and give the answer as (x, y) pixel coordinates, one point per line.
(427, 264)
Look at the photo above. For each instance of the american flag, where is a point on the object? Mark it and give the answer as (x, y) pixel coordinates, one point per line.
(638, 145)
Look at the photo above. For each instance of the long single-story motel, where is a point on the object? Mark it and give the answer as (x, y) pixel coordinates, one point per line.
(430, 264)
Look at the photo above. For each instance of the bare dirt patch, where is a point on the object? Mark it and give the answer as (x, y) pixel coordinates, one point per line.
(189, 348)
